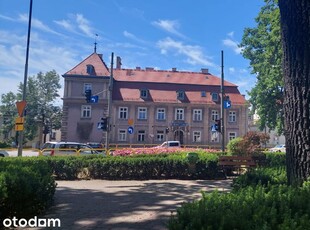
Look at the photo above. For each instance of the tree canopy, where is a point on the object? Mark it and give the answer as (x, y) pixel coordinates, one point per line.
(262, 46)
(41, 93)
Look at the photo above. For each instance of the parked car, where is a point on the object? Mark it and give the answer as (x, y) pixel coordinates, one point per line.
(99, 147)
(278, 148)
(3, 153)
(168, 144)
(66, 148)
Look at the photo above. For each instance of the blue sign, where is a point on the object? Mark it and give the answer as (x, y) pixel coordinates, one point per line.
(94, 99)
(227, 104)
(130, 130)
(99, 125)
(213, 128)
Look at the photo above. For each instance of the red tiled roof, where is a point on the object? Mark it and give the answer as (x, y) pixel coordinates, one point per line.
(100, 68)
(162, 88)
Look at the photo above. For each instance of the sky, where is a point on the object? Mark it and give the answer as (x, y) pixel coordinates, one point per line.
(164, 34)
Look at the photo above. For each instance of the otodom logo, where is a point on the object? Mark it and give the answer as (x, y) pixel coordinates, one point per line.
(33, 222)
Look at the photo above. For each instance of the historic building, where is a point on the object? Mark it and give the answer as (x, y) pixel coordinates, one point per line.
(148, 106)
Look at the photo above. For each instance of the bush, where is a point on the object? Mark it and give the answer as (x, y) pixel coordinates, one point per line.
(271, 207)
(234, 146)
(26, 187)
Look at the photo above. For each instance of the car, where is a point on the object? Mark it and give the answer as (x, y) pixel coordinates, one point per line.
(278, 148)
(66, 148)
(169, 144)
(3, 153)
(99, 147)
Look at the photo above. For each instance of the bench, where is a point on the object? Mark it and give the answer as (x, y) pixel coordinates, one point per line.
(231, 164)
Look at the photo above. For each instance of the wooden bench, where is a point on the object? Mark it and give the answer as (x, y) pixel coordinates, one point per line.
(231, 164)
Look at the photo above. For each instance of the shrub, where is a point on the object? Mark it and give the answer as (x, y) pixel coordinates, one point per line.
(234, 146)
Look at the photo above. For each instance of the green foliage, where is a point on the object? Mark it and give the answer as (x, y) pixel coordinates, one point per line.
(26, 187)
(234, 146)
(262, 46)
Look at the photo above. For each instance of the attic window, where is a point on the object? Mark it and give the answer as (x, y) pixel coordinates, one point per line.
(215, 96)
(144, 93)
(90, 69)
(180, 95)
(203, 93)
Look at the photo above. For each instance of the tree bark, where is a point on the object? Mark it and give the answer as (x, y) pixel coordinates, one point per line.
(295, 26)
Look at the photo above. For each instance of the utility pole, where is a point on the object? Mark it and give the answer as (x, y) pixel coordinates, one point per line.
(109, 104)
(222, 102)
(21, 133)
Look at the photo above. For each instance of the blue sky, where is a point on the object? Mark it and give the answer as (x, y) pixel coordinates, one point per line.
(164, 34)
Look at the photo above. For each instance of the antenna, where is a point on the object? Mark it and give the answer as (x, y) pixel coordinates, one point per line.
(95, 48)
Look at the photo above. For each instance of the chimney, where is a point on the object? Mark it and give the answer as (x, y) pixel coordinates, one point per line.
(118, 62)
(149, 68)
(174, 69)
(204, 70)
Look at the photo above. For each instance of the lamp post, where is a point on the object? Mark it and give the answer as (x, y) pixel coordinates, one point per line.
(222, 102)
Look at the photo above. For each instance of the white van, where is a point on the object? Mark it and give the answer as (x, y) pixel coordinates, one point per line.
(65, 149)
(168, 144)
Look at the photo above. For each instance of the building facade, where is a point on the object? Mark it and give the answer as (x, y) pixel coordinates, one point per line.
(148, 106)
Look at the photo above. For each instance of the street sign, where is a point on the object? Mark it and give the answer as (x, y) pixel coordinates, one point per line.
(19, 124)
(130, 121)
(227, 104)
(21, 107)
(213, 128)
(94, 99)
(130, 130)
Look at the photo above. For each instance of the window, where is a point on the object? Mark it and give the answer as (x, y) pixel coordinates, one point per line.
(203, 93)
(214, 115)
(123, 113)
(86, 111)
(87, 86)
(141, 135)
(122, 134)
(161, 114)
(197, 115)
(196, 136)
(232, 117)
(142, 113)
(179, 114)
(232, 135)
(90, 69)
(215, 96)
(160, 135)
(180, 94)
(144, 93)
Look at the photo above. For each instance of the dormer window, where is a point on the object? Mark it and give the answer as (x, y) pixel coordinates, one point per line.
(215, 96)
(90, 69)
(180, 95)
(144, 93)
(203, 93)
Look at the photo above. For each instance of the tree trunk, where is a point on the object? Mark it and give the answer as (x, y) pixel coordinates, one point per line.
(295, 26)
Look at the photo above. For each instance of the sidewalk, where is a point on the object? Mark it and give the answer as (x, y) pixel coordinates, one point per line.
(120, 205)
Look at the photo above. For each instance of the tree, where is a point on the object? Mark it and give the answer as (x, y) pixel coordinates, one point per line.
(295, 26)
(42, 90)
(262, 46)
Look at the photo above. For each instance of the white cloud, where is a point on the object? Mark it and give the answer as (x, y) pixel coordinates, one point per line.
(66, 24)
(169, 26)
(84, 25)
(194, 54)
(232, 45)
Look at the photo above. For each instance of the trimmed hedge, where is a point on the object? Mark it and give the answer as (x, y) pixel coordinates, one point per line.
(26, 187)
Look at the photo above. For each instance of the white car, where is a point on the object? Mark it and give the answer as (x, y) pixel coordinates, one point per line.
(168, 144)
(278, 148)
(65, 149)
(3, 153)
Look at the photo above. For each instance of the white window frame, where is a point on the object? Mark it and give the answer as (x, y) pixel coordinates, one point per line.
(86, 111)
(142, 113)
(160, 135)
(122, 135)
(232, 135)
(161, 114)
(197, 114)
(232, 116)
(123, 113)
(215, 115)
(141, 136)
(179, 114)
(196, 136)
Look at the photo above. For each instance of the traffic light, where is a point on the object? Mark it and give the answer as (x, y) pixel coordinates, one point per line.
(217, 125)
(104, 124)
(167, 130)
(88, 95)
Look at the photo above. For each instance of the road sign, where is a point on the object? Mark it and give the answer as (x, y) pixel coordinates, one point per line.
(227, 104)
(213, 128)
(94, 99)
(130, 121)
(130, 130)
(21, 107)
(19, 124)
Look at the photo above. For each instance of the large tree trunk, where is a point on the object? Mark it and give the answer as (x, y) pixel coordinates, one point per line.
(295, 25)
